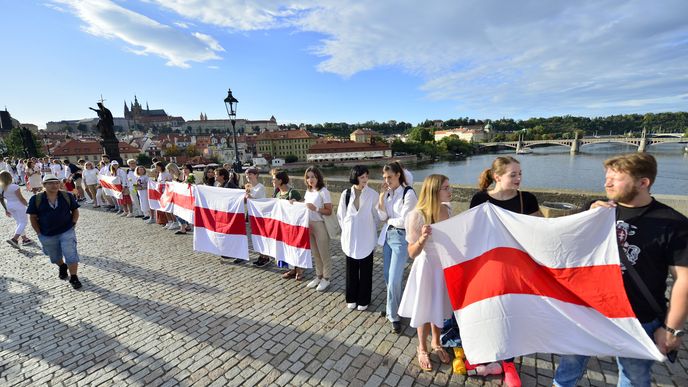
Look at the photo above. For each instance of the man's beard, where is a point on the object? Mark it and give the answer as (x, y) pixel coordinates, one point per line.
(626, 196)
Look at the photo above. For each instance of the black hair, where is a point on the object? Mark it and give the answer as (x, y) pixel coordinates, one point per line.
(282, 176)
(356, 172)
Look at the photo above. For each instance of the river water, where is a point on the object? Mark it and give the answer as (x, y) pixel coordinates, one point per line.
(555, 168)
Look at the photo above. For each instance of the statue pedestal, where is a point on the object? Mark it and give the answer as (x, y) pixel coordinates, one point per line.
(111, 148)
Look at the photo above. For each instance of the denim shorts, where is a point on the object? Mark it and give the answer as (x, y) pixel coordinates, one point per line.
(61, 245)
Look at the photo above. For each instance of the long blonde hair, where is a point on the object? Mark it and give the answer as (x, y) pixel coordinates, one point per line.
(5, 179)
(429, 199)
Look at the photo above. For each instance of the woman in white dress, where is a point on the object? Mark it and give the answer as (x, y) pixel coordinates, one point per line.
(425, 299)
(14, 205)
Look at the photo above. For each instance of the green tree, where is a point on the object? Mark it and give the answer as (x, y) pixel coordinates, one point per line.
(143, 159)
(290, 159)
(421, 135)
(192, 151)
(173, 150)
(15, 146)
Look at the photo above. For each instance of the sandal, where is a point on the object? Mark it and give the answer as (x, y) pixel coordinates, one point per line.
(289, 274)
(299, 275)
(442, 354)
(424, 360)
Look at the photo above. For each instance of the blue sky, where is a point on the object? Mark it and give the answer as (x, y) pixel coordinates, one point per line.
(308, 61)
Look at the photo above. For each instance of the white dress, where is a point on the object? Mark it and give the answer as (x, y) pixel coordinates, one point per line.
(425, 298)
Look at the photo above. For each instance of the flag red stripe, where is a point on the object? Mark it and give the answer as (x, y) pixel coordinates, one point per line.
(289, 234)
(219, 221)
(505, 270)
(114, 187)
(181, 200)
(154, 194)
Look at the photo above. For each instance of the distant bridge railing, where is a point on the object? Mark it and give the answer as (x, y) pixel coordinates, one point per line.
(575, 144)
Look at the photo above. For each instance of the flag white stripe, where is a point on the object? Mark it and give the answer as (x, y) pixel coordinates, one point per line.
(283, 252)
(230, 245)
(519, 324)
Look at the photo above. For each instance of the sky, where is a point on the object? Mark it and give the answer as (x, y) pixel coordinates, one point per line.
(314, 61)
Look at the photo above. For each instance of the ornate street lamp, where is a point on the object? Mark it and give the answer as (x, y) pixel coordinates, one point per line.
(231, 105)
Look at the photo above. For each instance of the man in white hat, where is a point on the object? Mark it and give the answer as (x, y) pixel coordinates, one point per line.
(53, 215)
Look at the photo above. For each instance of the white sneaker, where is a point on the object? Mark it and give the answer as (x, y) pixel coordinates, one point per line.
(129, 215)
(323, 285)
(123, 215)
(313, 283)
(361, 308)
(150, 221)
(174, 226)
(351, 305)
(168, 225)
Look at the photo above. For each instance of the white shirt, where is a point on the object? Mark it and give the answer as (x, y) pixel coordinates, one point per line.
(122, 175)
(396, 210)
(105, 171)
(90, 176)
(67, 171)
(11, 199)
(131, 178)
(4, 166)
(258, 191)
(56, 169)
(359, 226)
(318, 199)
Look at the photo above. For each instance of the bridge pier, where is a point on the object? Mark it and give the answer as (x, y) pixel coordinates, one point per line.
(574, 146)
(643, 145)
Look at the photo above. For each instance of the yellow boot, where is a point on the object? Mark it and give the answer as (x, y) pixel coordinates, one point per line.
(458, 364)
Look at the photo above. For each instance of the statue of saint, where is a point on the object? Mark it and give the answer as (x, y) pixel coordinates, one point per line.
(106, 123)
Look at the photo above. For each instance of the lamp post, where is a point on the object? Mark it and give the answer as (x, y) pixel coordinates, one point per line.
(231, 105)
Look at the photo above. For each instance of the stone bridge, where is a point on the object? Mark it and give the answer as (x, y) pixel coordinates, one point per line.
(575, 144)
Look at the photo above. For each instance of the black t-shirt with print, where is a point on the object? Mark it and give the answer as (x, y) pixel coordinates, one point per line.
(653, 238)
(530, 203)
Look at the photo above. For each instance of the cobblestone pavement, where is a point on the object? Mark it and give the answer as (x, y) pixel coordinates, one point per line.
(153, 312)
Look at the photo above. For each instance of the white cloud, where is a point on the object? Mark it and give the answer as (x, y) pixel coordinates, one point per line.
(494, 57)
(142, 34)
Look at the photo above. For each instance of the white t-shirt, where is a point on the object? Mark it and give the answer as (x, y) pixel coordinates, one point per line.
(11, 198)
(90, 176)
(318, 199)
(56, 169)
(258, 191)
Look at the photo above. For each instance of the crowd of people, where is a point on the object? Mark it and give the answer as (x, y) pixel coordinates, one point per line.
(652, 235)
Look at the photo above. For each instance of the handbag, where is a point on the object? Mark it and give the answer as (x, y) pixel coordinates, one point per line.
(332, 224)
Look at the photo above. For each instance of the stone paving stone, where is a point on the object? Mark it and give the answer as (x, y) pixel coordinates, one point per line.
(154, 312)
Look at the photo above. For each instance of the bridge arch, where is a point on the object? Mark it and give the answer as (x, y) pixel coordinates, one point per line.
(584, 143)
(492, 145)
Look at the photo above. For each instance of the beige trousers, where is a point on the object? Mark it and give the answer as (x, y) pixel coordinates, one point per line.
(320, 249)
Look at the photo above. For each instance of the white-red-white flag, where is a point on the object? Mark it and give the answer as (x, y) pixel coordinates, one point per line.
(219, 222)
(178, 199)
(521, 284)
(154, 190)
(112, 186)
(280, 229)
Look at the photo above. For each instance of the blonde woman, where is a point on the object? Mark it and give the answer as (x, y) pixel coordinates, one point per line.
(15, 207)
(425, 299)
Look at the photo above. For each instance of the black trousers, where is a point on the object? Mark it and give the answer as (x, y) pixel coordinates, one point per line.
(359, 280)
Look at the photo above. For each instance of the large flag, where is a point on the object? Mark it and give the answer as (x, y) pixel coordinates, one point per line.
(112, 186)
(178, 199)
(280, 229)
(219, 222)
(521, 284)
(155, 190)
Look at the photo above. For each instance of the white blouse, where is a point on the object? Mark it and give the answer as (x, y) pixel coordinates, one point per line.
(318, 199)
(396, 210)
(359, 226)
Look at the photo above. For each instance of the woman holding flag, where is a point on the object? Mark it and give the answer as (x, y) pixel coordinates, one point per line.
(280, 181)
(505, 173)
(425, 298)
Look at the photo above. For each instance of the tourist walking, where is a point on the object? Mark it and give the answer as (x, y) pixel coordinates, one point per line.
(396, 200)
(54, 214)
(319, 203)
(14, 204)
(358, 219)
(652, 239)
(425, 300)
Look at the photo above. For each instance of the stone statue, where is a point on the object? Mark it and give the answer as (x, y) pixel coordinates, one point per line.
(106, 123)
